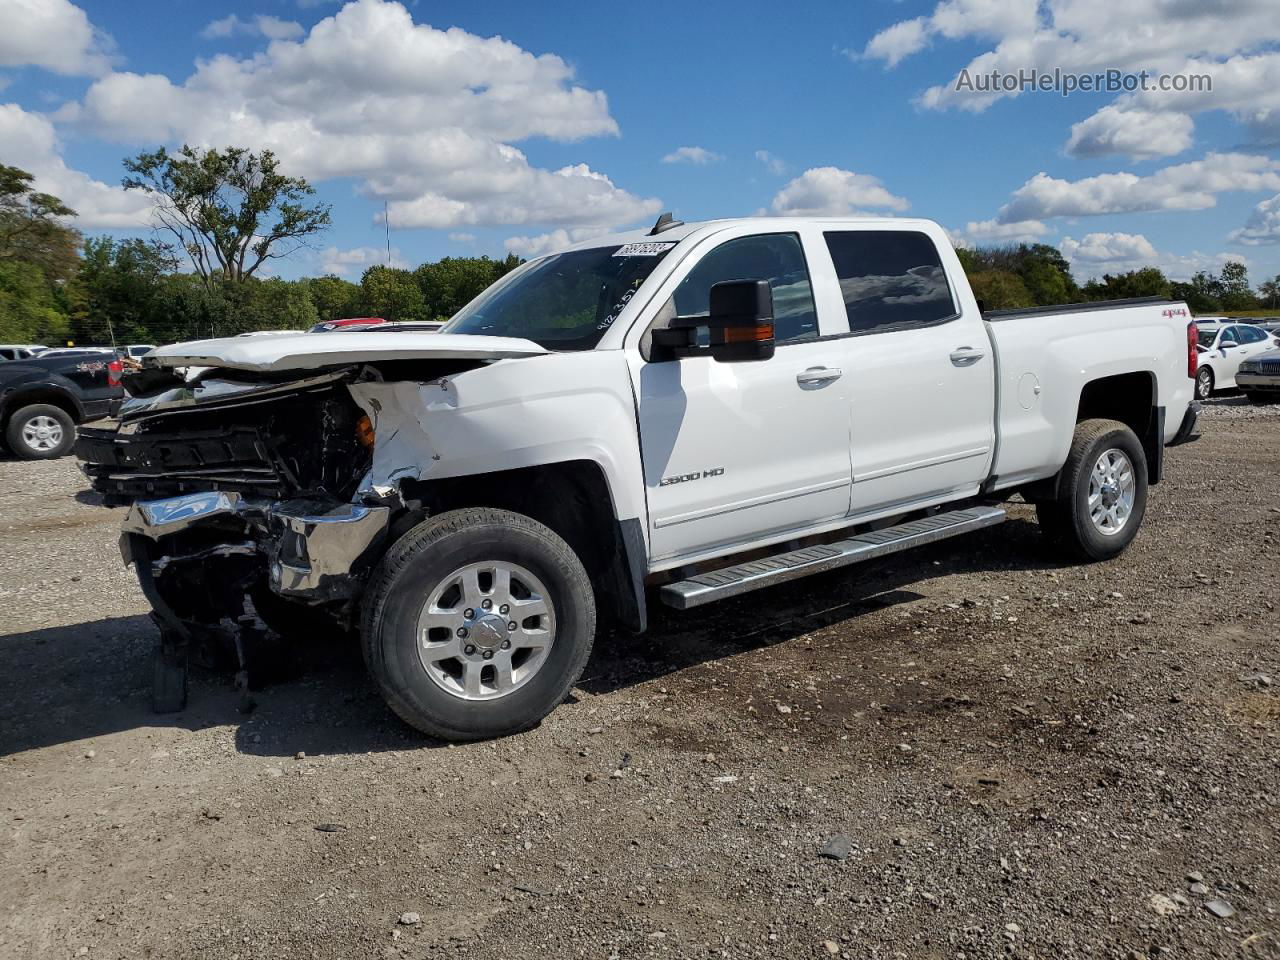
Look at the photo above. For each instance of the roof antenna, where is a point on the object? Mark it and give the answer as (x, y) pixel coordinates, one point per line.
(665, 222)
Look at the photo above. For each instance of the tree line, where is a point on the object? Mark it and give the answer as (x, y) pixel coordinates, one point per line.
(222, 215)
(1032, 275)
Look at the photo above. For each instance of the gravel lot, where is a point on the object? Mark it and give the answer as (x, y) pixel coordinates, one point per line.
(1013, 757)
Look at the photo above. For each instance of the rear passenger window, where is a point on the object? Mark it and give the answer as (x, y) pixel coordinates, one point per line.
(890, 279)
(1251, 335)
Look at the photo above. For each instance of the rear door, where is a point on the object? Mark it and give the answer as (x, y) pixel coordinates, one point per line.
(923, 374)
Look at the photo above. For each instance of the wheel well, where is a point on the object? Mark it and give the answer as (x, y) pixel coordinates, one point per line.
(55, 398)
(1127, 397)
(573, 499)
(1131, 399)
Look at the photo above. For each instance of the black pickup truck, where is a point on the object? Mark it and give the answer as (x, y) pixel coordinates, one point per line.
(43, 398)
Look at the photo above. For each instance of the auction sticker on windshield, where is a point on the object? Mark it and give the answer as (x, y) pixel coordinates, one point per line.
(642, 249)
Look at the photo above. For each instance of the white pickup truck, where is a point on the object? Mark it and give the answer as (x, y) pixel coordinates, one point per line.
(688, 412)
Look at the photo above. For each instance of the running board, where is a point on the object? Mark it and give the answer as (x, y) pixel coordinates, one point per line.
(731, 581)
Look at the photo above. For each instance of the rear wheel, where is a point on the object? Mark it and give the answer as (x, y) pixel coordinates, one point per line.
(40, 431)
(1102, 493)
(477, 624)
(1204, 383)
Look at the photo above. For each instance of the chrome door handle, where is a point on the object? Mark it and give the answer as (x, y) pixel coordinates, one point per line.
(816, 375)
(966, 356)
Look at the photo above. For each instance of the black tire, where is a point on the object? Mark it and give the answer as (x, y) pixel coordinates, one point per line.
(423, 559)
(25, 450)
(1066, 520)
(1204, 383)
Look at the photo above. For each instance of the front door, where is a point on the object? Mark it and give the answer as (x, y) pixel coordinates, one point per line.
(735, 452)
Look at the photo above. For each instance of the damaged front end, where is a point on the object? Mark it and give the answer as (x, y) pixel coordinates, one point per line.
(243, 496)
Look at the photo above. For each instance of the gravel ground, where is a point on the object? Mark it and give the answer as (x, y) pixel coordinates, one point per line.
(1006, 756)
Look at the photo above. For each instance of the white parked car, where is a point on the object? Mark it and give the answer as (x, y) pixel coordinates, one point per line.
(1223, 346)
(20, 351)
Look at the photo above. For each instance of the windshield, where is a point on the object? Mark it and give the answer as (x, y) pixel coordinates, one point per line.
(1206, 336)
(565, 301)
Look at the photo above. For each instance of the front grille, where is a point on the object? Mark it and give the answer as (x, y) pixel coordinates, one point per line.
(292, 444)
(1269, 367)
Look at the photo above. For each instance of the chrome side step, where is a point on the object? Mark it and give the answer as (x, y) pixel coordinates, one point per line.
(731, 581)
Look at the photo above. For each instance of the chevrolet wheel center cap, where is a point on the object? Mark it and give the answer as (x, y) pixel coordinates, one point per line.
(489, 631)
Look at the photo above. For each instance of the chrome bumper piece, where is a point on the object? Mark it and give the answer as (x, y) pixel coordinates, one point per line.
(312, 548)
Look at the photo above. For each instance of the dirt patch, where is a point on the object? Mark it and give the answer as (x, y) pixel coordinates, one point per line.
(1021, 753)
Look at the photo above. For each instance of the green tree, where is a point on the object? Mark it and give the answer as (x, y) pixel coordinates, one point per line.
(117, 288)
(1147, 282)
(29, 310)
(1000, 290)
(1269, 292)
(31, 228)
(1203, 293)
(1044, 276)
(231, 210)
(393, 294)
(333, 297)
(450, 284)
(1236, 293)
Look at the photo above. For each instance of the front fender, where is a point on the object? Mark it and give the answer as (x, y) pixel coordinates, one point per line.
(506, 415)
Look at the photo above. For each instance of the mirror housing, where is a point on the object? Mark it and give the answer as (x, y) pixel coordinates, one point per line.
(1227, 344)
(741, 321)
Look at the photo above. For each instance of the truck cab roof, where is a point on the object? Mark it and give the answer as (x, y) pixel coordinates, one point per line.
(699, 229)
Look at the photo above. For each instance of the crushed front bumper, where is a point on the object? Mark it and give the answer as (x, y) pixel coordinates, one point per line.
(314, 550)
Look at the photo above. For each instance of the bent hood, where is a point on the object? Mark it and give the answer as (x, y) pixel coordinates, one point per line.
(311, 351)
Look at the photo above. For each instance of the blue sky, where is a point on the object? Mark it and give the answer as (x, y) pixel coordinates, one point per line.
(480, 146)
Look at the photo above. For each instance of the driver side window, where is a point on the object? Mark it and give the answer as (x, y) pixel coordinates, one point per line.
(776, 257)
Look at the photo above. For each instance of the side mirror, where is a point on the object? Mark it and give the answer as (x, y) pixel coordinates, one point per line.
(1228, 344)
(741, 321)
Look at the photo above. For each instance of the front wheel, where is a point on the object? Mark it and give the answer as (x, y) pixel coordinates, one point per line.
(1102, 493)
(40, 431)
(1204, 383)
(477, 623)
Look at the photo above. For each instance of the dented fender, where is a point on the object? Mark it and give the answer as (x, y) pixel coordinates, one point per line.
(507, 415)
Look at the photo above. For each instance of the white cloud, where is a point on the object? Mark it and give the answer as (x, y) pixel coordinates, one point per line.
(1138, 133)
(774, 164)
(1109, 248)
(830, 191)
(698, 156)
(1231, 40)
(1262, 227)
(1187, 186)
(553, 242)
(53, 34)
(899, 41)
(1100, 253)
(466, 239)
(265, 25)
(28, 140)
(980, 233)
(422, 118)
(357, 259)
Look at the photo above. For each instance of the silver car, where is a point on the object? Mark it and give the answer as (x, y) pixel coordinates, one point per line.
(1259, 377)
